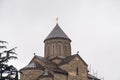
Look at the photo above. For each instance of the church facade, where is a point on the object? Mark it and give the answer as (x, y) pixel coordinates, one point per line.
(57, 63)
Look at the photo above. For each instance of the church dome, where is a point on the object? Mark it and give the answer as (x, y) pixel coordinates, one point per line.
(57, 33)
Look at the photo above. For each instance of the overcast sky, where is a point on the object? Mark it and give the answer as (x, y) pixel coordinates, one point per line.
(92, 25)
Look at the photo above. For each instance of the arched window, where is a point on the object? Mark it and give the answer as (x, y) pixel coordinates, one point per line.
(77, 72)
(53, 49)
(66, 49)
(59, 49)
(77, 69)
(48, 50)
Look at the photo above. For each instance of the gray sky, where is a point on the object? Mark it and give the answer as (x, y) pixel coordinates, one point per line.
(92, 25)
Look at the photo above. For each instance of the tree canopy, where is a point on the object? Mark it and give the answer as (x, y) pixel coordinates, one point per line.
(7, 72)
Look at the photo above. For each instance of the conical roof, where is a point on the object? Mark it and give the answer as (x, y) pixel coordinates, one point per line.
(57, 32)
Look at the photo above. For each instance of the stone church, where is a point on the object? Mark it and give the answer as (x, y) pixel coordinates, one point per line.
(57, 63)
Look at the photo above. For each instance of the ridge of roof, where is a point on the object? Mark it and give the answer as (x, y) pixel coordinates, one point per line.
(71, 57)
(57, 32)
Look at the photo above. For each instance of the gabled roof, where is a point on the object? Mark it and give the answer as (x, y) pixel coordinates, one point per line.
(33, 65)
(57, 32)
(47, 65)
(70, 58)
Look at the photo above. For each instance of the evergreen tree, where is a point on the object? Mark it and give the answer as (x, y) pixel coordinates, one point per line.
(7, 72)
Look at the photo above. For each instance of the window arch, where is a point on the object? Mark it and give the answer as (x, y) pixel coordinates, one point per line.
(52, 53)
(65, 48)
(47, 50)
(77, 72)
(53, 48)
(59, 49)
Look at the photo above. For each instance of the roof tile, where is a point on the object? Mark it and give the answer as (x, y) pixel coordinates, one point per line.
(57, 32)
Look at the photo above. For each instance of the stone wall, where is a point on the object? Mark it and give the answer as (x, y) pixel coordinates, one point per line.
(60, 76)
(46, 78)
(30, 74)
(76, 69)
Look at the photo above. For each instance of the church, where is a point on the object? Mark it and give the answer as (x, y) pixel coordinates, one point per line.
(58, 63)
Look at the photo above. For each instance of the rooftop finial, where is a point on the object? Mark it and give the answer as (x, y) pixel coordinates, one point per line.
(57, 20)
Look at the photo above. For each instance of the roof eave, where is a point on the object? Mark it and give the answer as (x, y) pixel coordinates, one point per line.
(57, 38)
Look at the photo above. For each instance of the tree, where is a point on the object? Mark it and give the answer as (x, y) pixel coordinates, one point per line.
(7, 72)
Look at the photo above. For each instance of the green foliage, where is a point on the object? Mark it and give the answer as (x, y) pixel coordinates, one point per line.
(7, 72)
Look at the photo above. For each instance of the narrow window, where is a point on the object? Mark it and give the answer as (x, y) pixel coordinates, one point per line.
(77, 71)
(53, 49)
(65, 49)
(59, 49)
(48, 50)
